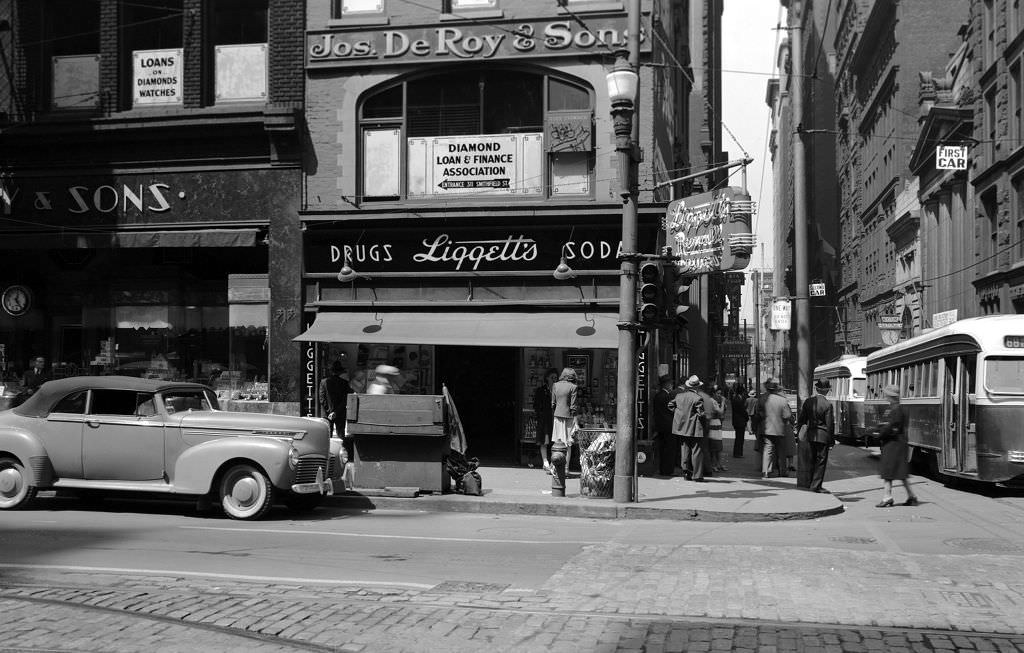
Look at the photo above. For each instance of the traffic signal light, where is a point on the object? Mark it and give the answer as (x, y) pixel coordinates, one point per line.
(679, 299)
(650, 307)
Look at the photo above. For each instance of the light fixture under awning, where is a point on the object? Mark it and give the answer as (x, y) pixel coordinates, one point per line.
(487, 329)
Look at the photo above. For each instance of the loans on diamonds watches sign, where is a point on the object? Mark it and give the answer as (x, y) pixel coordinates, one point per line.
(489, 164)
(156, 77)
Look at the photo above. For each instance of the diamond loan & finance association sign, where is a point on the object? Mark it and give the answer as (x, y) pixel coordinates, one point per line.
(489, 164)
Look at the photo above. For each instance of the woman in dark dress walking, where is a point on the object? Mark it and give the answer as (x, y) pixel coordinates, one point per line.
(894, 465)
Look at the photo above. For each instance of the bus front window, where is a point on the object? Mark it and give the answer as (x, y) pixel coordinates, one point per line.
(859, 388)
(1004, 375)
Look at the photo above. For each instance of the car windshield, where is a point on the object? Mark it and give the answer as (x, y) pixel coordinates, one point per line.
(1003, 374)
(177, 401)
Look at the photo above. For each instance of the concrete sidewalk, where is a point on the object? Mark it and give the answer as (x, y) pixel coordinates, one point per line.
(738, 494)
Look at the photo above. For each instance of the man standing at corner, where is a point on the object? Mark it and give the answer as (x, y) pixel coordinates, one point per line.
(689, 423)
(817, 415)
(776, 423)
(668, 445)
(36, 376)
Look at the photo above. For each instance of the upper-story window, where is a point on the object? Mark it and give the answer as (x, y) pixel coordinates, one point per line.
(356, 8)
(238, 31)
(988, 27)
(71, 34)
(488, 134)
(153, 56)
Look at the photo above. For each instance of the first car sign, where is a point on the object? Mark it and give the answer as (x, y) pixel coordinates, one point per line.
(951, 157)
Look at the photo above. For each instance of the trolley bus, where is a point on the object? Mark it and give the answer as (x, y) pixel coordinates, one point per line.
(849, 386)
(962, 389)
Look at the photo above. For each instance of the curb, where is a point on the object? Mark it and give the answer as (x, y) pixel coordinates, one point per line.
(457, 503)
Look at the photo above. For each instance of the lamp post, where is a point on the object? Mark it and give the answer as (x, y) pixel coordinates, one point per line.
(623, 83)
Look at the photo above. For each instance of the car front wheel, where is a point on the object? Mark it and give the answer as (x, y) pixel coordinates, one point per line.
(15, 490)
(246, 492)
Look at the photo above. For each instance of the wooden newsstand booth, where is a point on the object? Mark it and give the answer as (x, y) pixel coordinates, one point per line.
(400, 441)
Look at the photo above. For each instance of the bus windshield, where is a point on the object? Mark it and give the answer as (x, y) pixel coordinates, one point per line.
(859, 387)
(1004, 374)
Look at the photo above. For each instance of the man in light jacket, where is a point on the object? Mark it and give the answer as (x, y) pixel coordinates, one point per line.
(690, 425)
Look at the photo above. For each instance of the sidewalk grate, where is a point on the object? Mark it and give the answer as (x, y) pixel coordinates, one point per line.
(469, 586)
(981, 544)
(967, 599)
(851, 539)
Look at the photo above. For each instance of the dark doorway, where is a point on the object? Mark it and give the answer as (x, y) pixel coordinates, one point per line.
(482, 381)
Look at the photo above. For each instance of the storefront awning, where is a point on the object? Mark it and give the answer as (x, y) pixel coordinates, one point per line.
(96, 240)
(488, 329)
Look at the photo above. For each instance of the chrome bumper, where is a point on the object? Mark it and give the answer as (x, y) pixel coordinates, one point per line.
(321, 485)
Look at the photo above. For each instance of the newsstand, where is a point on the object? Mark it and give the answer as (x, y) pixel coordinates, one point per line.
(400, 441)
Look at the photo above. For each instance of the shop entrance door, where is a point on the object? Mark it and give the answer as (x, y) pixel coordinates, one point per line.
(481, 380)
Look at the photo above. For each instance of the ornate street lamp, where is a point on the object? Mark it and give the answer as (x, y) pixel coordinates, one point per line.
(623, 83)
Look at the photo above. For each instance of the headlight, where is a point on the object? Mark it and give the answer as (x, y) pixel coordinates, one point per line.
(293, 457)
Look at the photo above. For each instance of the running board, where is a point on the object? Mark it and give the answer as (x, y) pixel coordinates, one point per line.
(121, 486)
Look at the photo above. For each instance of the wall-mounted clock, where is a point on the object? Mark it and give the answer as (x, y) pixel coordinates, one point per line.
(17, 300)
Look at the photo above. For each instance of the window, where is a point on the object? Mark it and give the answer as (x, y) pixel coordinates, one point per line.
(989, 32)
(484, 133)
(117, 402)
(357, 8)
(153, 58)
(72, 404)
(71, 31)
(990, 230)
(1003, 374)
(990, 123)
(183, 400)
(239, 39)
(1016, 91)
(1018, 209)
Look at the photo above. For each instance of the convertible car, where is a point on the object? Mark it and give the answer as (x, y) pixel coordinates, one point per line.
(100, 434)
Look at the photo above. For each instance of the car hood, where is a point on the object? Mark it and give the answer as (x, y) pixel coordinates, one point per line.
(259, 424)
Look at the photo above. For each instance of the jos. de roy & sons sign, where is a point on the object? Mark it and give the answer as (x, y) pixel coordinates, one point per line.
(710, 232)
(340, 47)
(465, 250)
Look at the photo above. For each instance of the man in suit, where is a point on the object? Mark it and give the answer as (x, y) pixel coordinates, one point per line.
(668, 447)
(35, 376)
(818, 416)
(776, 422)
(690, 425)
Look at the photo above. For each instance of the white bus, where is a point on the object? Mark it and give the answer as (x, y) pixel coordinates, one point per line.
(849, 388)
(962, 388)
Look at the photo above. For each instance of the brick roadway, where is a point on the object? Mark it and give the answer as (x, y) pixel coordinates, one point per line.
(609, 597)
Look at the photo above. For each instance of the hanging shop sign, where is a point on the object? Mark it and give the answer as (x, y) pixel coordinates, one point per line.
(468, 166)
(483, 41)
(465, 249)
(156, 77)
(951, 157)
(710, 232)
(945, 318)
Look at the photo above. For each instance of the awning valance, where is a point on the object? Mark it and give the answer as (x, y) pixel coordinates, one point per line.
(97, 240)
(489, 329)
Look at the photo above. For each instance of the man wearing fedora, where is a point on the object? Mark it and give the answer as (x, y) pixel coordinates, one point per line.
(817, 415)
(690, 425)
(776, 420)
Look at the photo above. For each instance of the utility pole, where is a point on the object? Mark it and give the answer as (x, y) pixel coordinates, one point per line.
(801, 299)
(627, 137)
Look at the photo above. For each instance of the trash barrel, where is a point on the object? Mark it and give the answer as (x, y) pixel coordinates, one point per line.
(597, 462)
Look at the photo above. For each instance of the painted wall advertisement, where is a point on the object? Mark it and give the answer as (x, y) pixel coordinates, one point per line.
(499, 164)
(710, 232)
(156, 77)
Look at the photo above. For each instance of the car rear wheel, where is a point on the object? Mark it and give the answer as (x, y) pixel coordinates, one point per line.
(246, 492)
(15, 490)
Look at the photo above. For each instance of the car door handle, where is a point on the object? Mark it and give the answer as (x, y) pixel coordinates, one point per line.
(93, 423)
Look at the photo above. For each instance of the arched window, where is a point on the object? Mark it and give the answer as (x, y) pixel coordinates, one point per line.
(478, 133)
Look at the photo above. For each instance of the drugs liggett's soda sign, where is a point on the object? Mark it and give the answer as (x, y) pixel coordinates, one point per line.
(710, 232)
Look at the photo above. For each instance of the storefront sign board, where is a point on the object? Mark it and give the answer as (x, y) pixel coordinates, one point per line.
(945, 318)
(466, 249)
(470, 166)
(710, 232)
(469, 42)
